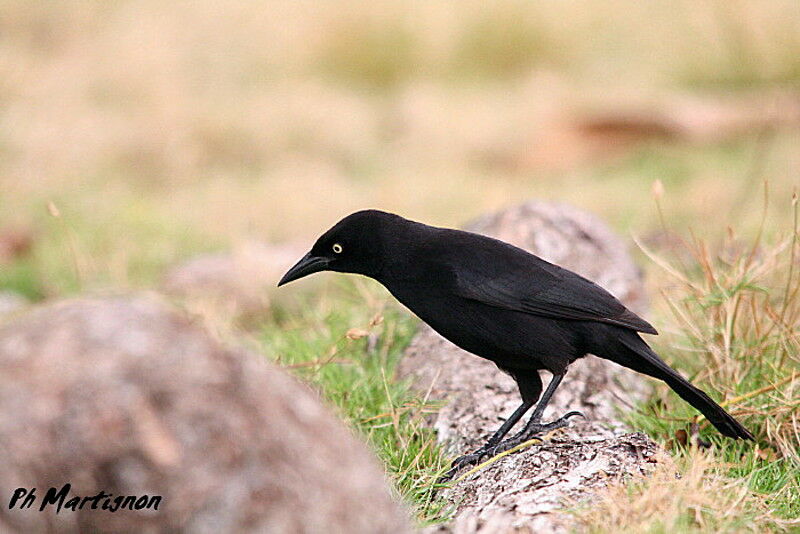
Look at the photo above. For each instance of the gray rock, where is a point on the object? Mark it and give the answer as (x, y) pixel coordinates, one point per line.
(240, 281)
(11, 302)
(127, 396)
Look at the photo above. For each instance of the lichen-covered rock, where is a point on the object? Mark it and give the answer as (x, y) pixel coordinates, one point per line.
(125, 395)
(479, 397)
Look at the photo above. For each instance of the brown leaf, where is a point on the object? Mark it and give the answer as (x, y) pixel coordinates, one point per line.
(15, 242)
(768, 454)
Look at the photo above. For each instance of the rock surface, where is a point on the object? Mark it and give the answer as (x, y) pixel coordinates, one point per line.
(525, 491)
(240, 281)
(124, 395)
(11, 302)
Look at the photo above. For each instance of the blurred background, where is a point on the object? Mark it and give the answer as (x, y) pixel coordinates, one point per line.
(199, 147)
(158, 130)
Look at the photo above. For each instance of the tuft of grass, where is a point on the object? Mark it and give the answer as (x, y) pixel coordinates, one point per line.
(347, 344)
(737, 317)
(738, 314)
(683, 495)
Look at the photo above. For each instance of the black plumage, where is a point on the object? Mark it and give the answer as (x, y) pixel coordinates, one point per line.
(501, 303)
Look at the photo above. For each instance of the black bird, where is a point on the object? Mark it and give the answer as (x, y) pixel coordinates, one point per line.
(501, 303)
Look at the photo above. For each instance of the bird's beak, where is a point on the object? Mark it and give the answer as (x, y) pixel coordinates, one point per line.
(308, 264)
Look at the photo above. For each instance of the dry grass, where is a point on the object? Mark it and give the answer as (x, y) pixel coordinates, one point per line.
(738, 319)
(687, 496)
(737, 316)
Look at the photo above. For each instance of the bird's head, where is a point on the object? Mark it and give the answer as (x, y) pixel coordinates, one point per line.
(353, 245)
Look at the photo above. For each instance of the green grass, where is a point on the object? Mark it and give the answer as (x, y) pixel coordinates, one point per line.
(124, 243)
(19, 277)
(347, 345)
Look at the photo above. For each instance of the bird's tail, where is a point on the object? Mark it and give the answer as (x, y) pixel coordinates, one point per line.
(637, 355)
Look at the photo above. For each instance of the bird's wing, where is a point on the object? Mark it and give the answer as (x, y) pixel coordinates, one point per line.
(532, 285)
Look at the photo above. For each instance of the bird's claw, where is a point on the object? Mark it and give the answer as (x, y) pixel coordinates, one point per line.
(475, 457)
(541, 428)
(465, 460)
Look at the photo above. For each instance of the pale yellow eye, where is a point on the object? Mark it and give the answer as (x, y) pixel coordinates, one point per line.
(337, 248)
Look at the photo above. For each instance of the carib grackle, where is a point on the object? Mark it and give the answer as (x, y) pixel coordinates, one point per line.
(501, 303)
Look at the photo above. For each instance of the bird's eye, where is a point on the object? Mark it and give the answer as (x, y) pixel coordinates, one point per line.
(337, 248)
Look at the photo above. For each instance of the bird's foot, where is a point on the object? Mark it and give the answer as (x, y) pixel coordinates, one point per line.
(534, 429)
(465, 460)
(530, 431)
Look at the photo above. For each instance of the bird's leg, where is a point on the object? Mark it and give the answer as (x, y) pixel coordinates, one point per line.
(476, 456)
(534, 426)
